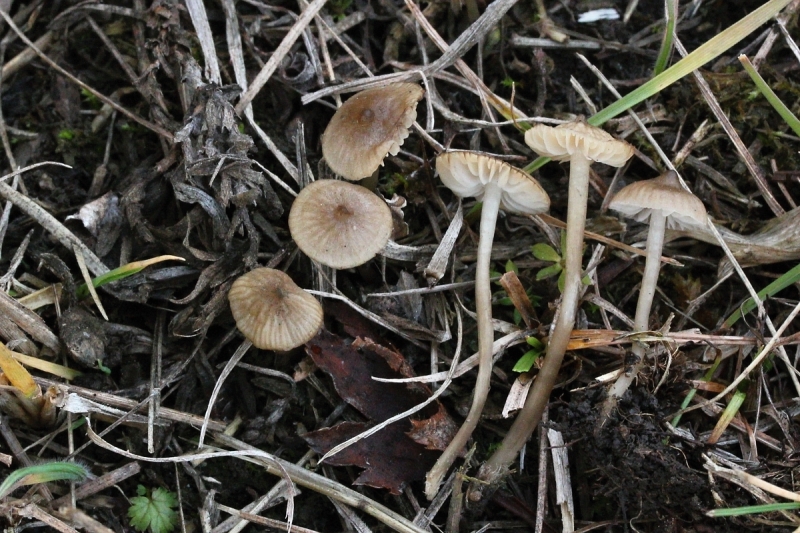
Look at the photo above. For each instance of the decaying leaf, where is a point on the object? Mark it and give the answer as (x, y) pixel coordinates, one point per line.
(402, 451)
(390, 458)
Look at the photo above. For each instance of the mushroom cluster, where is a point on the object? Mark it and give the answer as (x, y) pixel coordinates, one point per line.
(338, 224)
(498, 185)
(581, 144)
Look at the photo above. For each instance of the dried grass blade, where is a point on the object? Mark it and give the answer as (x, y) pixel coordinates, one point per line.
(197, 12)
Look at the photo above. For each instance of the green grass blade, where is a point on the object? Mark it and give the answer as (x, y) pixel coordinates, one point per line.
(686, 401)
(771, 97)
(790, 278)
(706, 52)
(123, 272)
(671, 8)
(727, 416)
(43, 473)
(753, 509)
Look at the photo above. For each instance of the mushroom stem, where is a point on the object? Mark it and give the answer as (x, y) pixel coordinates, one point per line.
(483, 309)
(531, 413)
(652, 265)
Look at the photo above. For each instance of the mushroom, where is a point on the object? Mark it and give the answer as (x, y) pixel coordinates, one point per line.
(368, 126)
(339, 224)
(272, 311)
(581, 144)
(497, 184)
(667, 205)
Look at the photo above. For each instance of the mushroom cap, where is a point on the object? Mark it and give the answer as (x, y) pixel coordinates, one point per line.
(368, 126)
(664, 193)
(561, 142)
(273, 312)
(339, 224)
(467, 173)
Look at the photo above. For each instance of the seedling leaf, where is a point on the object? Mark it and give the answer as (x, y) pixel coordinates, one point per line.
(527, 361)
(545, 252)
(548, 272)
(155, 512)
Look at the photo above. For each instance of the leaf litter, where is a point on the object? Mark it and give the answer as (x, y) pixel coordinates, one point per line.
(218, 200)
(399, 453)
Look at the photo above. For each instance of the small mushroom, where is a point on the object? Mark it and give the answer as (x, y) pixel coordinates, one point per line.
(368, 126)
(272, 311)
(497, 184)
(581, 144)
(339, 224)
(666, 205)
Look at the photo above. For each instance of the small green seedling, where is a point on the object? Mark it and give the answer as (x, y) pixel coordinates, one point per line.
(527, 361)
(545, 252)
(153, 510)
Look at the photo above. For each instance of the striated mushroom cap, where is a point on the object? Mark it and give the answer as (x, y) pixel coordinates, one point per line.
(561, 142)
(467, 173)
(368, 126)
(339, 224)
(664, 193)
(273, 312)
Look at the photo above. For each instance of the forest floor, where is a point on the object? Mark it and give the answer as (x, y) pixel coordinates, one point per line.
(167, 156)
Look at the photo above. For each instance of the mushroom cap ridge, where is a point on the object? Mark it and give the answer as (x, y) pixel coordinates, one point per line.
(560, 142)
(467, 173)
(664, 193)
(339, 224)
(272, 311)
(368, 126)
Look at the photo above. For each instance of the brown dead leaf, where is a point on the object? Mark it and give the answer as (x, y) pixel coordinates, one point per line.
(353, 323)
(390, 458)
(352, 369)
(404, 450)
(436, 432)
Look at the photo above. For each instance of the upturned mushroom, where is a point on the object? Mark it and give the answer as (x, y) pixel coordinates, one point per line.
(581, 144)
(367, 127)
(666, 205)
(339, 224)
(498, 185)
(272, 312)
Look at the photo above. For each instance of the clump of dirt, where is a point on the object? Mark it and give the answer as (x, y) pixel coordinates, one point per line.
(636, 469)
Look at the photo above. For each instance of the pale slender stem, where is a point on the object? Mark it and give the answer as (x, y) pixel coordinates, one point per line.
(483, 310)
(652, 265)
(537, 399)
(641, 322)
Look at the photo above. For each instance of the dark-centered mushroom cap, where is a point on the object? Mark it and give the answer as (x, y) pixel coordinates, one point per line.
(273, 312)
(467, 173)
(664, 193)
(561, 142)
(368, 126)
(339, 224)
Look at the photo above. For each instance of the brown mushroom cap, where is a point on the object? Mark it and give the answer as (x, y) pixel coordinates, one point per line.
(368, 126)
(273, 312)
(664, 193)
(339, 224)
(561, 142)
(467, 173)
